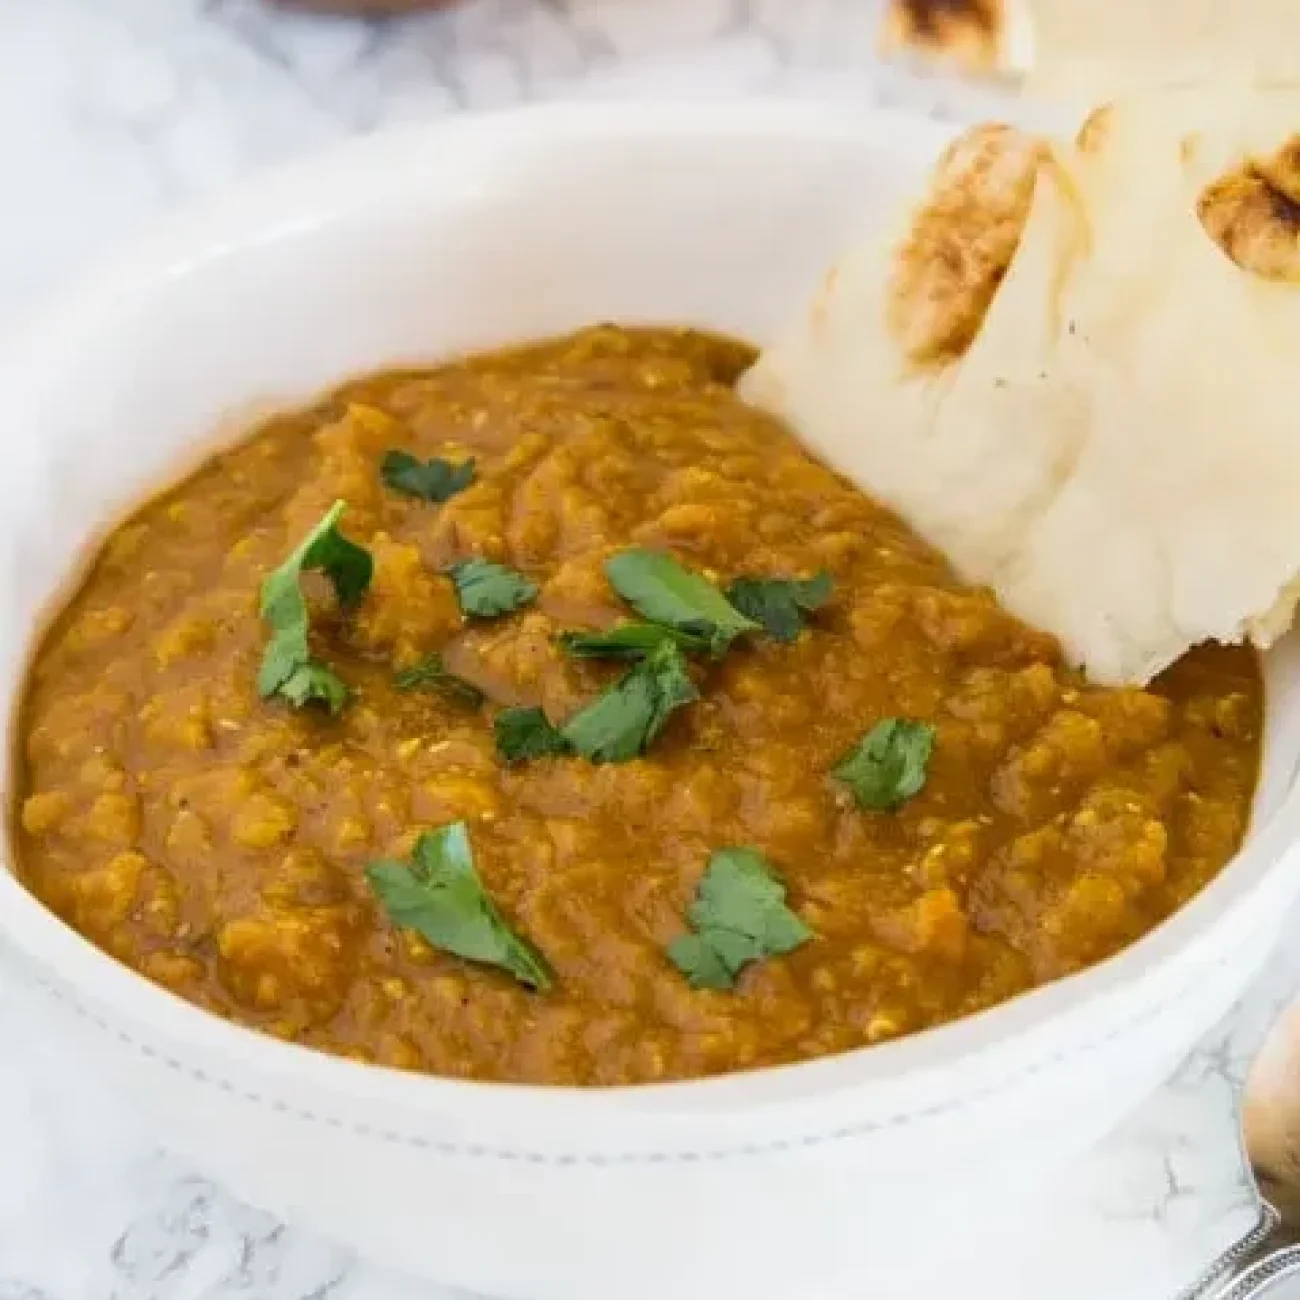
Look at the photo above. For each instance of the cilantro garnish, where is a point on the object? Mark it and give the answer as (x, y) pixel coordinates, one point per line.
(629, 641)
(288, 668)
(527, 733)
(624, 721)
(739, 916)
(780, 604)
(431, 480)
(429, 672)
(663, 591)
(488, 590)
(439, 895)
(888, 766)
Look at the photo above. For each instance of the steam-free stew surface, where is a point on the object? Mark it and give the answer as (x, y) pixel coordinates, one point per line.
(217, 841)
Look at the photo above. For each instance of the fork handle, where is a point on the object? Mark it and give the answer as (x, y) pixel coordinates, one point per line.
(1256, 1279)
(1247, 1269)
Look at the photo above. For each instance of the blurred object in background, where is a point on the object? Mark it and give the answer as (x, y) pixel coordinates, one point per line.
(977, 37)
(366, 8)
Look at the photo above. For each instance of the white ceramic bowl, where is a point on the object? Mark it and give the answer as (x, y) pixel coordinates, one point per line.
(787, 1182)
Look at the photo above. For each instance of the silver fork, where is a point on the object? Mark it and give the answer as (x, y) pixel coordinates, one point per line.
(1270, 1139)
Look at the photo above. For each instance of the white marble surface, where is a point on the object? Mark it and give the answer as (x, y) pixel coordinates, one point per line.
(112, 111)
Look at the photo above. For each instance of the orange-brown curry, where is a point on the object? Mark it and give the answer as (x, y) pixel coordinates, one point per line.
(217, 841)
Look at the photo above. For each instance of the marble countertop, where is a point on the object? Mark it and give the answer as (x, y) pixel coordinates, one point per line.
(113, 111)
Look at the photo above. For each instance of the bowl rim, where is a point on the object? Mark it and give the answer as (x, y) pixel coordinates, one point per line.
(287, 197)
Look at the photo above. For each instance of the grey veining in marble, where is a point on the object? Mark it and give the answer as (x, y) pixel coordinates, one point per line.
(113, 112)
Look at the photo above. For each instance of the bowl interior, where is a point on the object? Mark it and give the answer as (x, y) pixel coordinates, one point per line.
(508, 229)
(415, 247)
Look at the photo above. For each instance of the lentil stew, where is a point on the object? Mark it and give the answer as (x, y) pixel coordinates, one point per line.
(813, 793)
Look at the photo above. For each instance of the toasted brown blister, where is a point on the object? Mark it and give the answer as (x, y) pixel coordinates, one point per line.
(966, 34)
(961, 242)
(1254, 214)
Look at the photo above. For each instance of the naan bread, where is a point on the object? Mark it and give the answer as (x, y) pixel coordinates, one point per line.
(1074, 366)
(1083, 51)
(1089, 50)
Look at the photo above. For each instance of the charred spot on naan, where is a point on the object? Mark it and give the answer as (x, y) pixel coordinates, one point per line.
(961, 242)
(1253, 214)
(965, 33)
(1282, 169)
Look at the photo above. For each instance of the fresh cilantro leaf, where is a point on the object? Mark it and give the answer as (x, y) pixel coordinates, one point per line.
(291, 671)
(888, 766)
(286, 652)
(739, 916)
(527, 733)
(663, 591)
(780, 604)
(629, 641)
(347, 565)
(312, 680)
(624, 721)
(439, 895)
(429, 672)
(431, 480)
(488, 590)
(288, 668)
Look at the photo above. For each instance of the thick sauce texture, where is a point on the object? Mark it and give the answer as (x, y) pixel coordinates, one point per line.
(216, 841)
